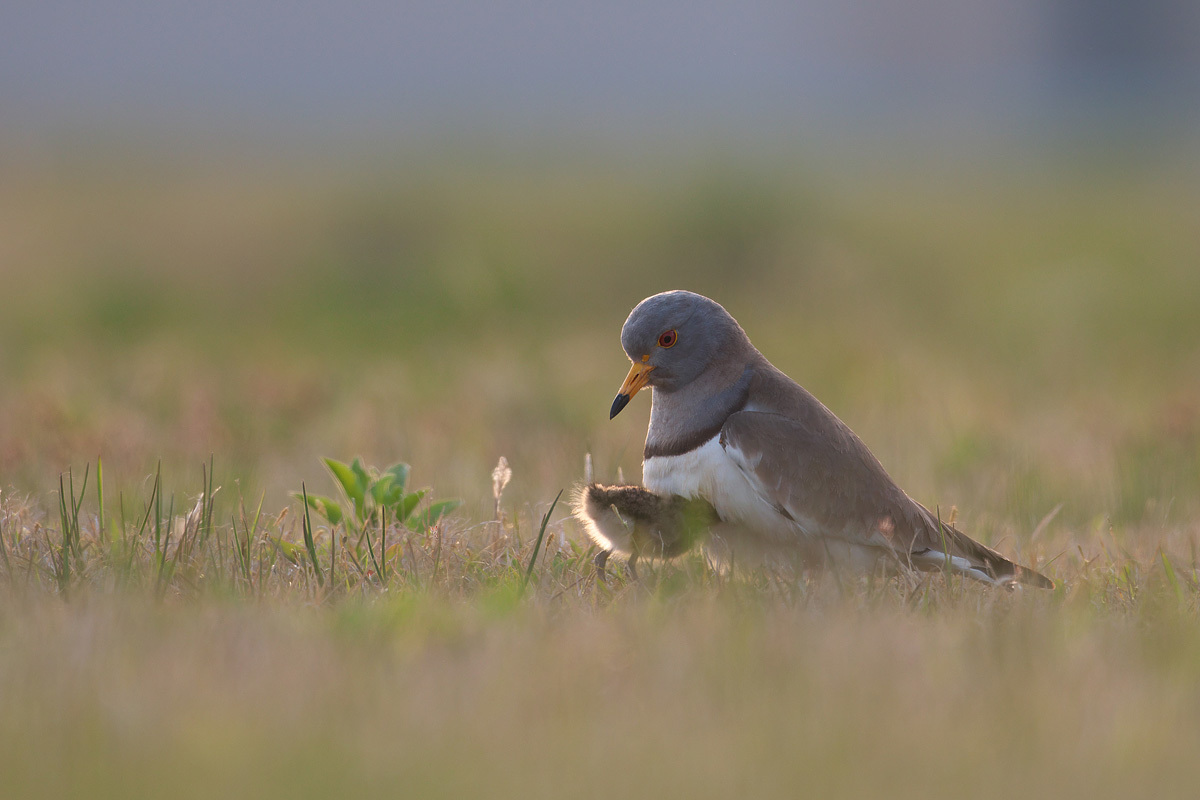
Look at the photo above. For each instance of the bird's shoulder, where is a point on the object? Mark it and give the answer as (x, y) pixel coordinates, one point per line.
(778, 406)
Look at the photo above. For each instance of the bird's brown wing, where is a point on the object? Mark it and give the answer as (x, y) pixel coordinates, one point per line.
(819, 474)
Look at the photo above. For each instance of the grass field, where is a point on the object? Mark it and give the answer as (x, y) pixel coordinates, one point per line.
(1018, 341)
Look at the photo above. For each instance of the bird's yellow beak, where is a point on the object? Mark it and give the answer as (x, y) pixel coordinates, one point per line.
(639, 373)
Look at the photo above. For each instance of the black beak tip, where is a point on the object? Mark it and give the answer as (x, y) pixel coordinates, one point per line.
(619, 403)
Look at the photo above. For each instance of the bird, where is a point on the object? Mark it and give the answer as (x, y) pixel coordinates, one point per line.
(637, 523)
(786, 479)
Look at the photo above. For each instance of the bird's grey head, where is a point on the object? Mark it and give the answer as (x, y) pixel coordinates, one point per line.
(672, 338)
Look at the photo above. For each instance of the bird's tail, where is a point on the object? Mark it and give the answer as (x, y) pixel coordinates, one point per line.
(964, 555)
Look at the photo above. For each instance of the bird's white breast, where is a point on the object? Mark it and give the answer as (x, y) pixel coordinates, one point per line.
(709, 472)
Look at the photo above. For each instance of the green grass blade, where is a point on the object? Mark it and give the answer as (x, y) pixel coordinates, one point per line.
(371, 545)
(383, 545)
(327, 507)
(309, 544)
(1172, 580)
(101, 525)
(158, 509)
(206, 508)
(538, 544)
(332, 554)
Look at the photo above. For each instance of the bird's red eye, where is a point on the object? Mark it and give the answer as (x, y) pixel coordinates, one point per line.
(668, 339)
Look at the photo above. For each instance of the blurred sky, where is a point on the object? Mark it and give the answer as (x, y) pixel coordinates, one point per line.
(246, 66)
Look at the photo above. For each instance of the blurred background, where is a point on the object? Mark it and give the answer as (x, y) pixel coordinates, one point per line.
(411, 231)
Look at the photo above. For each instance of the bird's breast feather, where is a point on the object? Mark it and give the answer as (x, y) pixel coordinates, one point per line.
(714, 473)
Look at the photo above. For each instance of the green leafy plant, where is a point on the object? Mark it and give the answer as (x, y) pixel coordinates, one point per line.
(370, 496)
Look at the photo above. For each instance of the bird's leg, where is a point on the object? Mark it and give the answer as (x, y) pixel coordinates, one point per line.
(600, 561)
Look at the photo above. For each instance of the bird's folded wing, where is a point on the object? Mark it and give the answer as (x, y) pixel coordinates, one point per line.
(821, 475)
